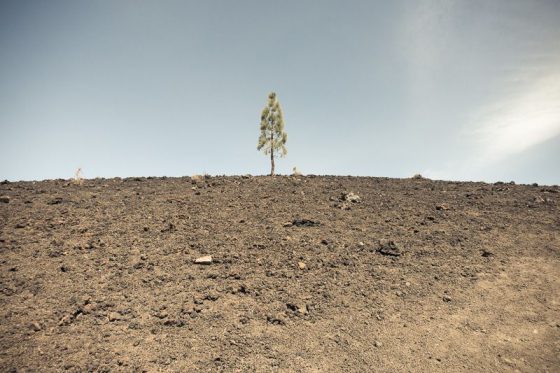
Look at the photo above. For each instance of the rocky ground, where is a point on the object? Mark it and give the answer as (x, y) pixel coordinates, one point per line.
(407, 275)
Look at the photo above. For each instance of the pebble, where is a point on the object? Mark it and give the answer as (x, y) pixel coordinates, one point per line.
(388, 247)
(35, 326)
(446, 298)
(204, 260)
(377, 344)
(301, 265)
(350, 197)
(114, 316)
(5, 199)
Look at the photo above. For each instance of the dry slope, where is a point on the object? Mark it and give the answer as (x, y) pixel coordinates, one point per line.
(414, 275)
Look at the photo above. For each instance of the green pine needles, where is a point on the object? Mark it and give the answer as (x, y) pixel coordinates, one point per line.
(273, 138)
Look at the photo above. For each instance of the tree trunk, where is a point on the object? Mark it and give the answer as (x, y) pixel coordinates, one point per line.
(271, 154)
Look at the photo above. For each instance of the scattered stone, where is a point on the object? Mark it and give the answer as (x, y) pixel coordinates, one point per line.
(5, 199)
(55, 201)
(65, 320)
(301, 265)
(350, 197)
(389, 248)
(275, 319)
(35, 326)
(304, 223)
(20, 225)
(212, 297)
(539, 199)
(169, 228)
(298, 309)
(486, 253)
(446, 298)
(377, 344)
(442, 206)
(417, 176)
(114, 316)
(361, 244)
(89, 308)
(205, 260)
(343, 206)
(176, 323)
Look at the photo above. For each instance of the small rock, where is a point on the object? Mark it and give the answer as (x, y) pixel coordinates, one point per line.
(5, 199)
(212, 297)
(65, 320)
(176, 323)
(114, 316)
(361, 244)
(20, 225)
(389, 248)
(55, 201)
(442, 206)
(343, 206)
(377, 344)
(276, 319)
(205, 260)
(417, 176)
(486, 253)
(301, 265)
(350, 197)
(35, 326)
(300, 309)
(89, 308)
(304, 223)
(446, 298)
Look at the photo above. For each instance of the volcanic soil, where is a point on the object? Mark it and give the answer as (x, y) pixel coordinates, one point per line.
(309, 274)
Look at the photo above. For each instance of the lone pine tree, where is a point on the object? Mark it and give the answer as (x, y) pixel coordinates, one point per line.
(273, 138)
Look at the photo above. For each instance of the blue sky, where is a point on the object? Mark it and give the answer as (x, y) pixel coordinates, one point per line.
(455, 90)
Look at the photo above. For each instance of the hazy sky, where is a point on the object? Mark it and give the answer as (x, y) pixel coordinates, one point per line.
(461, 90)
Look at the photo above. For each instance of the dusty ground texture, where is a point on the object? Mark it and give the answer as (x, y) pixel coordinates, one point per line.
(100, 276)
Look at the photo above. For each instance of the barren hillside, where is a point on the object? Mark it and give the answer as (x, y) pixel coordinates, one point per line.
(338, 274)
